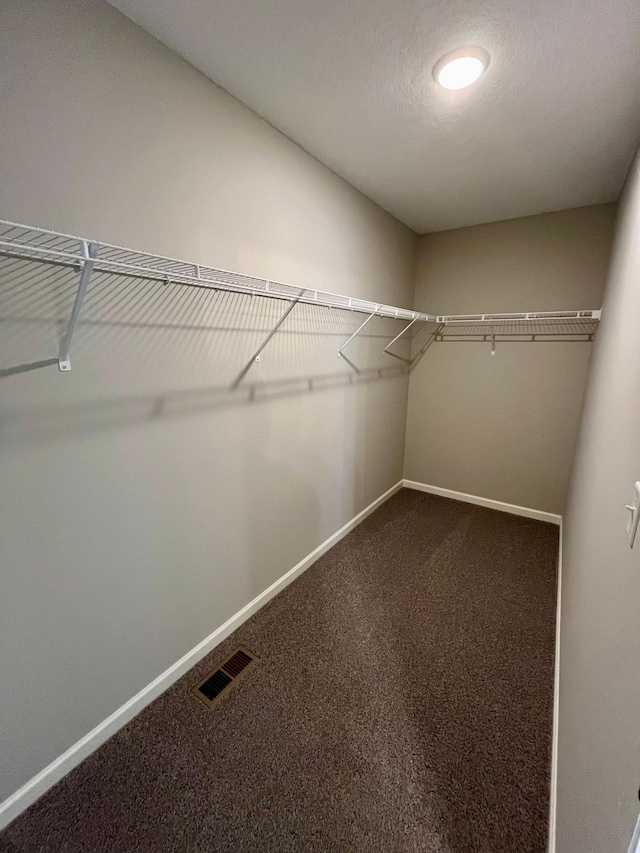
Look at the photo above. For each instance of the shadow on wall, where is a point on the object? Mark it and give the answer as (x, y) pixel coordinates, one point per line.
(144, 350)
(129, 535)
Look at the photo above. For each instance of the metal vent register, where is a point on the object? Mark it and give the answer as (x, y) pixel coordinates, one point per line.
(218, 682)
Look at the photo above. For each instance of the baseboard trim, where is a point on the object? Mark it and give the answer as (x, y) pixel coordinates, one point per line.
(553, 794)
(525, 511)
(39, 784)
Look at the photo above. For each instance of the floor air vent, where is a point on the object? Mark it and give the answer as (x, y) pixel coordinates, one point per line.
(215, 684)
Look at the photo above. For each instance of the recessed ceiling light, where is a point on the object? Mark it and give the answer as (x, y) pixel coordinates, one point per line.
(461, 68)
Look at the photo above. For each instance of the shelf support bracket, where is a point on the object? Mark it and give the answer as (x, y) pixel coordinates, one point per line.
(90, 252)
(256, 356)
(411, 361)
(397, 337)
(358, 330)
(435, 335)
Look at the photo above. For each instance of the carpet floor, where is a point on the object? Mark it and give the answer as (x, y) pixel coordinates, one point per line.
(402, 702)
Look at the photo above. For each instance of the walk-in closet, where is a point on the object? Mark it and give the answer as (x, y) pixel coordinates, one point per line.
(319, 426)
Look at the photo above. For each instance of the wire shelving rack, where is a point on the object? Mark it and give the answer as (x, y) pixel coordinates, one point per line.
(88, 256)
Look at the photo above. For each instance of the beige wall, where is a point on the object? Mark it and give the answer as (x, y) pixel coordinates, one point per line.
(599, 736)
(504, 427)
(141, 504)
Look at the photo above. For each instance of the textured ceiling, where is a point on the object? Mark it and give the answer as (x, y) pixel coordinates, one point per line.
(553, 123)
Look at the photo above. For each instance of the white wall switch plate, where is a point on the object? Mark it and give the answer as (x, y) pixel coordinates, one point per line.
(634, 515)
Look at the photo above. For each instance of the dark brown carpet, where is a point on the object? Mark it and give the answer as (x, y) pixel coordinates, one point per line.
(402, 702)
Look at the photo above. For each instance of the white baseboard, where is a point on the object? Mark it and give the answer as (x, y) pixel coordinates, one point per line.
(525, 511)
(34, 788)
(553, 795)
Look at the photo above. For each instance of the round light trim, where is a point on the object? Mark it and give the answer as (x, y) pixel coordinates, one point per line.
(461, 68)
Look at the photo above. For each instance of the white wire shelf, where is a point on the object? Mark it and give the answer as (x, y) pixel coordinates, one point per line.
(532, 326)
(27, 243)
(528, 324)
(49, 246)
(450, 319)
